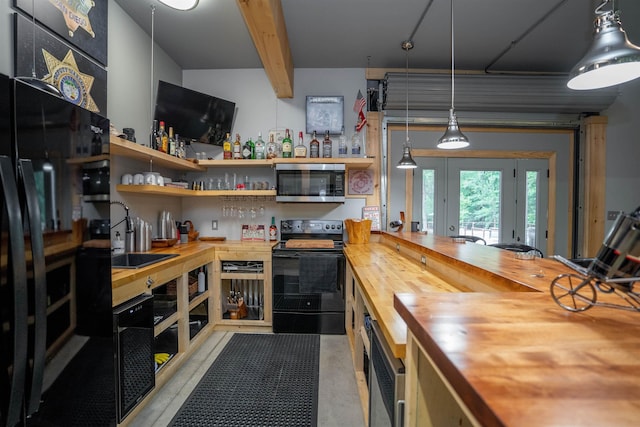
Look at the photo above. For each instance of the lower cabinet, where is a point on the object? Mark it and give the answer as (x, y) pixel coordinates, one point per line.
(242, 282)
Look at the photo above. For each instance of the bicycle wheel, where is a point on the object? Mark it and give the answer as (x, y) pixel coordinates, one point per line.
(573, 292)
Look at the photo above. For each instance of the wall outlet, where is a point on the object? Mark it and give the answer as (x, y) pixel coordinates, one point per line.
(423, 259)
(214, 224)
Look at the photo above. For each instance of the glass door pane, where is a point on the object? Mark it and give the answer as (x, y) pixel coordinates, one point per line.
(531, 216)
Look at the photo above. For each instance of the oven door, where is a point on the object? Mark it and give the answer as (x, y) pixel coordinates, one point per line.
(310, 182)
(308, 292)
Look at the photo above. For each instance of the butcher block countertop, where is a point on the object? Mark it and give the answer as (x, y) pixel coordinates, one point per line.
(125, 282)
(518, 359)
(383, 270)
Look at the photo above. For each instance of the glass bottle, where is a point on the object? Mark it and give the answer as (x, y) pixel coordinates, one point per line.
(248, 150)
(226, 148)
(172, 142)
(155, 137)
(286, 145)
(237, 148)
(259, 147)
(314, 147)
(326, 146)
(300, 151)
(355, 144)
(272, 148)
(181, 151)
(342, 144)
(273, 230)
(164, 139)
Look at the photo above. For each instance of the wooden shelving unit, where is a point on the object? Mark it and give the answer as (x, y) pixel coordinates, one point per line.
(122, 147)
(183, 192)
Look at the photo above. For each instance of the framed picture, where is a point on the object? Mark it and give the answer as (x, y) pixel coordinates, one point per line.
(325, 113)
(81, 23)
(80, 80)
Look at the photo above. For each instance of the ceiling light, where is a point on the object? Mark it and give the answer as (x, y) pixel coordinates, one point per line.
(452, 137)
(611, 59)
(407, 161)
(180, 4)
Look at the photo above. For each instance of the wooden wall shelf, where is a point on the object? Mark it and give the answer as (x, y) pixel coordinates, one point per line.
(181, 192)
(122, 147)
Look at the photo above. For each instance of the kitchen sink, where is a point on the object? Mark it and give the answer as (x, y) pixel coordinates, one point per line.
(138, 260)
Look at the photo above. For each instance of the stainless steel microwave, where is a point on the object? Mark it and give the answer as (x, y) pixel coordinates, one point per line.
(310, 182)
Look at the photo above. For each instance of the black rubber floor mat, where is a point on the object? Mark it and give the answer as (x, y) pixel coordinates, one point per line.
(258, 380)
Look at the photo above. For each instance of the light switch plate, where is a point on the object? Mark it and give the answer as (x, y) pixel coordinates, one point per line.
(214, 224)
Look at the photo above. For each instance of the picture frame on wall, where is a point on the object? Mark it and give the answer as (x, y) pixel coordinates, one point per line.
(325, 113)
(81, 81)
(80, 23)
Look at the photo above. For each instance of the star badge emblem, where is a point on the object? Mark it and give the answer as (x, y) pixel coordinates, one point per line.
(74, 85)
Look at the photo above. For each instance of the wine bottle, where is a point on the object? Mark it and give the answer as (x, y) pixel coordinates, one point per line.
(286, 145)
(327, 146)
(314, 147)
(300, 151)
(155, 137)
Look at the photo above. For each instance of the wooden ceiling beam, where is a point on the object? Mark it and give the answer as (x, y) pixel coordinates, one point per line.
(265, 22)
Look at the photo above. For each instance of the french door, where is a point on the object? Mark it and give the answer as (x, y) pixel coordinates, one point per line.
(499, 200)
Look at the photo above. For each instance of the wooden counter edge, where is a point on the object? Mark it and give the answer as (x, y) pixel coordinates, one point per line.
(474, 402)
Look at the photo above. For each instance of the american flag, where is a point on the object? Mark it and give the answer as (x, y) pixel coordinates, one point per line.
(360, 103)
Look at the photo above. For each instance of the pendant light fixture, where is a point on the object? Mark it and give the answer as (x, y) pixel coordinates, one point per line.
(407, 161)
(452, 137)
(611, 59)
(180, 4)
(33, 80)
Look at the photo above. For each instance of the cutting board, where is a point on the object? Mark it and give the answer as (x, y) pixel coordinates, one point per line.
(309, 243)
(212, 238)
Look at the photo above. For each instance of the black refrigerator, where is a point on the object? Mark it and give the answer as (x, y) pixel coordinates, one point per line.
(51, 373)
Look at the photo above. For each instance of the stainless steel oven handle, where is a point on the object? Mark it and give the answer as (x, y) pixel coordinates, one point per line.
(399, 416)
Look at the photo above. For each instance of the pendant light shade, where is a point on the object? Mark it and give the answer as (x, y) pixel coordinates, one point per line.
(407, 161)
(610, 60)
(180, 4)
(452, 138)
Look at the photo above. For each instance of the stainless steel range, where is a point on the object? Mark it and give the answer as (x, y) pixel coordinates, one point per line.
(309, 277)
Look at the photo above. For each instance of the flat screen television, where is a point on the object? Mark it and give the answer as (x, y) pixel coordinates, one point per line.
(193, 115)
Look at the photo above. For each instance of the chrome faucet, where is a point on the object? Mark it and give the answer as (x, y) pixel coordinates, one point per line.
(129, 230)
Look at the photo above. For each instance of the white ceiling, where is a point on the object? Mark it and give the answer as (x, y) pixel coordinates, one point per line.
(369, 33)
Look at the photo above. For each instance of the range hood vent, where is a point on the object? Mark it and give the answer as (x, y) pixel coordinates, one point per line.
(493, 93)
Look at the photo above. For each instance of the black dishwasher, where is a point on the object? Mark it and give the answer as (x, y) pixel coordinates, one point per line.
(135, 366)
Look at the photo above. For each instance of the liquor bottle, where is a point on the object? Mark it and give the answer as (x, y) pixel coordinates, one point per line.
(181, 151)
(355, 144)
(155, 137)
(164, 139)
(272, 148)
(247, 150)
(326, 146)
(226, 148)
(342, 144)
(273, 230)
(314, 147)
(172, 142)
(286, 145)
(259, 147)
(237, 148)
(300, 151)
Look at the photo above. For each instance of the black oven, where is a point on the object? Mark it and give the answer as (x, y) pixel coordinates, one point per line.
(309, 282)
(310, 182)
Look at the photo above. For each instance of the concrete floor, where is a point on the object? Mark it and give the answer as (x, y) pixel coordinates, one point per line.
(338, 400)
